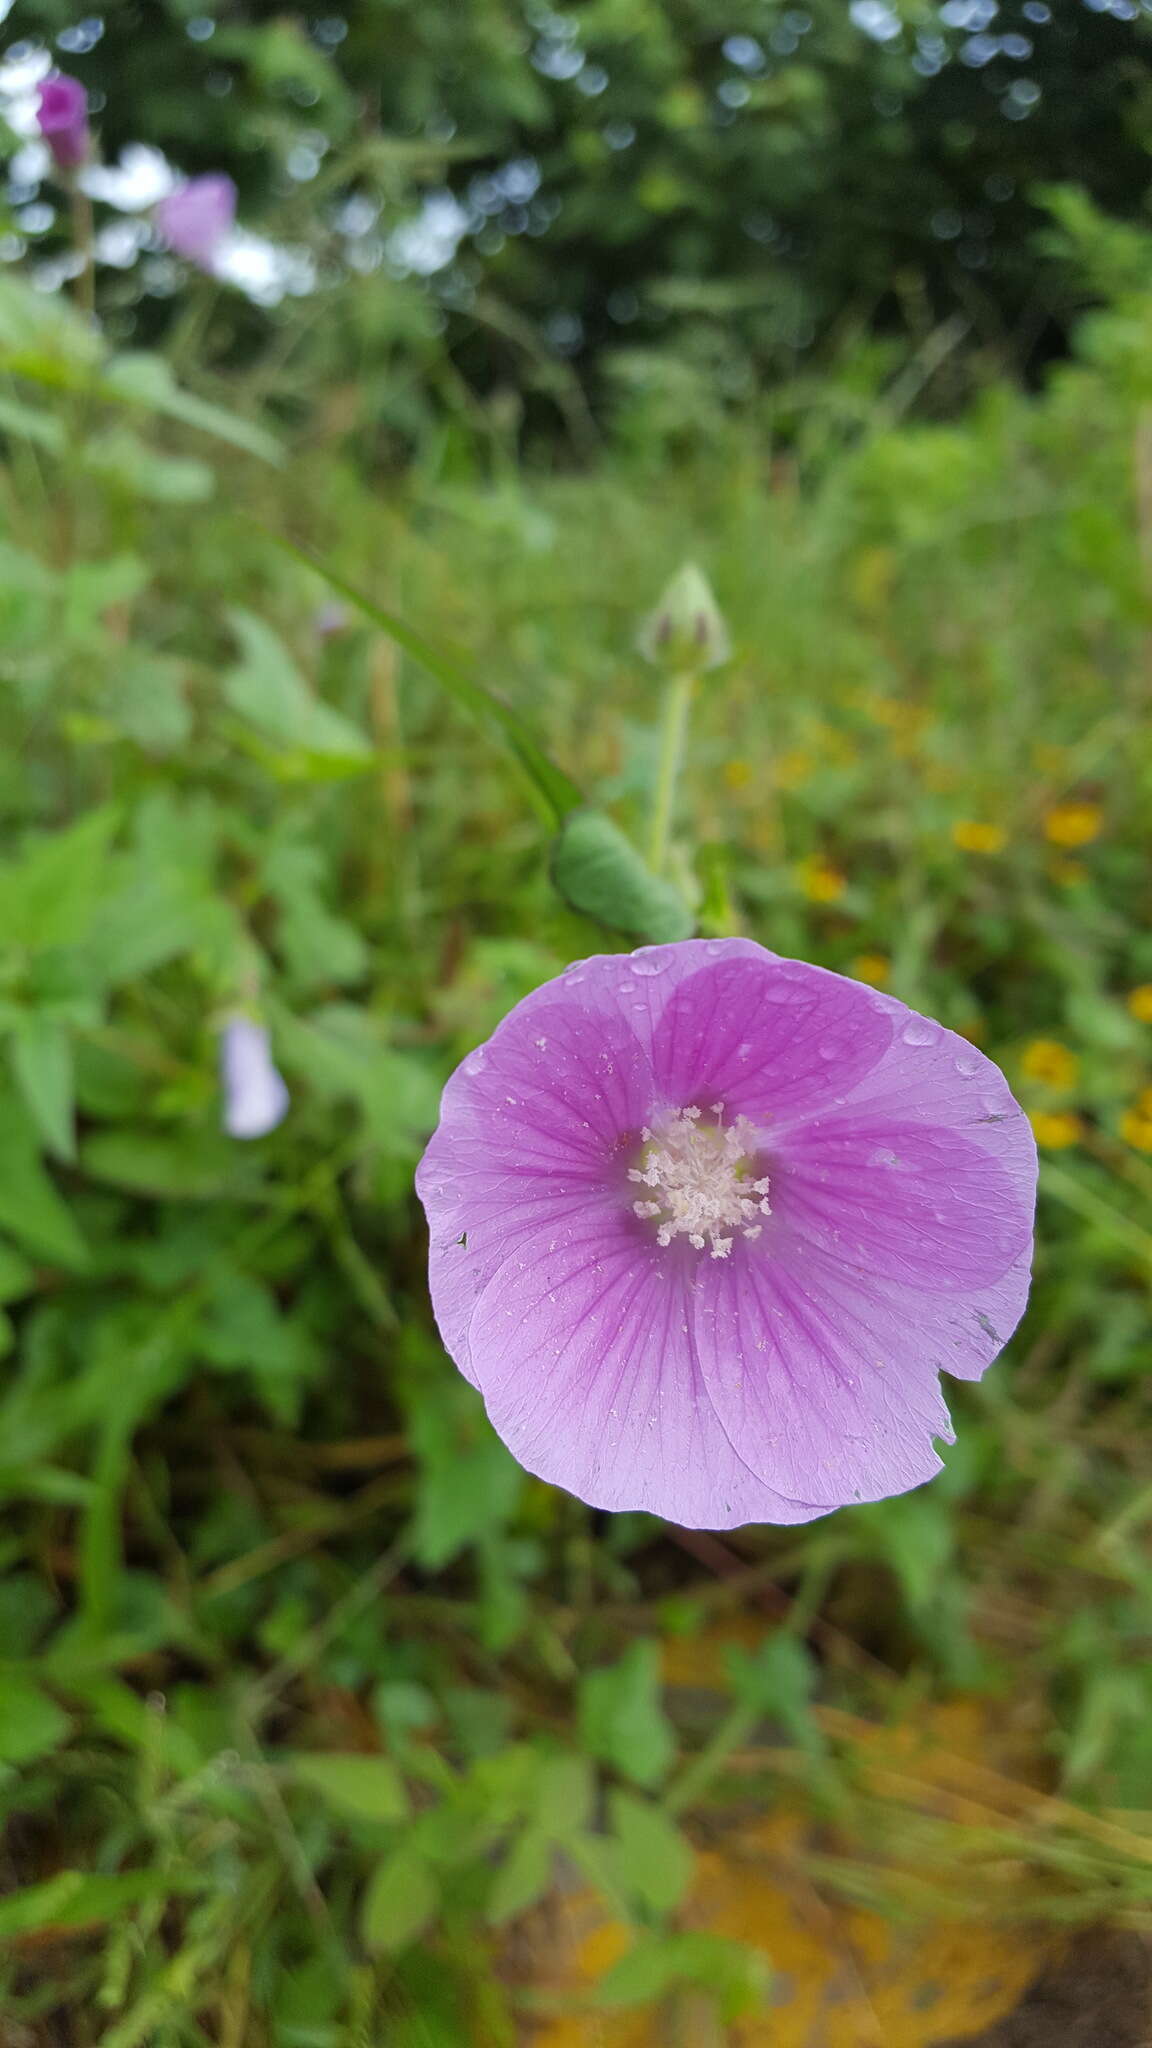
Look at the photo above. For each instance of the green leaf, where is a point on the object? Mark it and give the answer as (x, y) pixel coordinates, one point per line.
(653, 1862)
(145, 380)
(30, 1208)
(44, 337)
(152, 912)
(90, 590)
(523, 1877)
(43, 1067)
(48, 895)
(402, 1897)
(144, 700)
(564, 1793)
(777, 1679)
(622, 1721)
(598, 871)
(268, 691)
(737, 1976)
(467, 1482)
(31, 1723)
(345, 1052)
(916, 1535)
(367, 1787)
(17, 1277)
(120, 1712)
(74, 1898)
(28, 423)
(197, 1165)
(556, 790)
(123, 459)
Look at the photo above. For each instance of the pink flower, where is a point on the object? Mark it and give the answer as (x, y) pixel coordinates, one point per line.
(196, 218)
(62, 117)
(255, 1093)
(707, 1223)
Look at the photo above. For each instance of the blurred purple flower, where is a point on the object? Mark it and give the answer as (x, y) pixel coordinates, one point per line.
(329, 618)
(706, 1223)
(197, 217)
(62, 117)
(255, 1094)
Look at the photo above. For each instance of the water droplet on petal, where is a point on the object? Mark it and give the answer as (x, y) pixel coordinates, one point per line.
(476, 1061)
(648, 966)
(919, 1032)
(967, 1064)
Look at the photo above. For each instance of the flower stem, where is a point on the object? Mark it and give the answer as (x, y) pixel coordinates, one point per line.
(83, 239)
(673, 731)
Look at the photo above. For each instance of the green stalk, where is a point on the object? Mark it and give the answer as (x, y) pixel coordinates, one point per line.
(80, 209)
(729, 1735)
(673, 732)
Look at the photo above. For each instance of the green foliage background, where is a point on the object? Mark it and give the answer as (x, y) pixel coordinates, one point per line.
(308, 1694)
(660, 194)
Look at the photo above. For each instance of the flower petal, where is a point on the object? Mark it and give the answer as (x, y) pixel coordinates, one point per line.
(896, 1249)
(582, 1346)
(770, 1038)
(909, 1204)
(531, 1130)
(819, 1397)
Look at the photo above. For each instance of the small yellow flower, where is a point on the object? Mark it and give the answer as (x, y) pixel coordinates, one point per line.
(1055, 1131)
(883, 711)
(820, 881)
(1140, 1002)
(1136, 1126)
(738, 774)
(793, 768)
(972, 836)
(872, 967)
(1073, 824)
(904, 721)
(1046, 1060)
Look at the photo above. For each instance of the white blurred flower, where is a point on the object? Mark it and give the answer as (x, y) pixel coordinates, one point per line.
(255, 1093)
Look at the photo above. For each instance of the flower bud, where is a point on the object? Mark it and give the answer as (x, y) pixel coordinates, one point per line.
(255, 1093)
(197, 217)
(686, 633)
(62, 118)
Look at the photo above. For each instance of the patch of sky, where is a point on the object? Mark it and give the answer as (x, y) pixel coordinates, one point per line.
(745, 53)
(428, 242)
(142, 176)
(266, 272)
(876, 19)
(973, 15)
(82, 36)
(555, 59)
